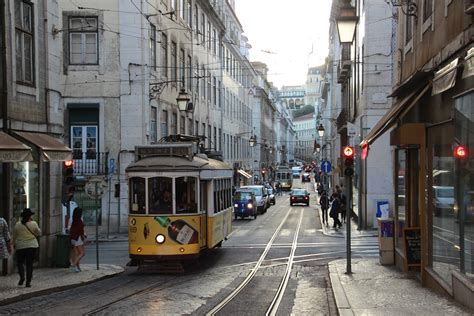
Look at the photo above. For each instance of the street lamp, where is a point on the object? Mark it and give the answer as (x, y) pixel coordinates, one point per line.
(318, 147)
(183, 101)
(346, 23)
(253, 141)
(321, 130)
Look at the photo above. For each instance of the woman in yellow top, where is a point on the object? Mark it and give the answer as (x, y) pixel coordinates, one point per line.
(24, 235)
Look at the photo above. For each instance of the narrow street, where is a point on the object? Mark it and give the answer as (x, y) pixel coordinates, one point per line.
(267, 245)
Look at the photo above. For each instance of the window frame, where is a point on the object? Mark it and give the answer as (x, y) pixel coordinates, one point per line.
(83, 40)
(23, 31)
(427, 22)
(152, 38)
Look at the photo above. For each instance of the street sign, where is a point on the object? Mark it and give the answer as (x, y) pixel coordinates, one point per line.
(111, 166)
(326, 166)
(95, 187)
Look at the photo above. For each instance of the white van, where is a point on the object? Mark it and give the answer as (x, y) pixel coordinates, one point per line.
(296, 171)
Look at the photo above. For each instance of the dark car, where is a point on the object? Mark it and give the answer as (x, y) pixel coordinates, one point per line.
(299, 196)
(306, 177)
(245, 204)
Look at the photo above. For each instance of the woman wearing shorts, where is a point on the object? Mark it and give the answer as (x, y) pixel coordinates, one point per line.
(77, 239)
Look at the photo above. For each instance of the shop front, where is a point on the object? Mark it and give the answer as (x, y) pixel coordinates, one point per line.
(31, 177)
(433, 142)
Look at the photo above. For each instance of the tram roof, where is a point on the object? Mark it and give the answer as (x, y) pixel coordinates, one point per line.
(176, 164)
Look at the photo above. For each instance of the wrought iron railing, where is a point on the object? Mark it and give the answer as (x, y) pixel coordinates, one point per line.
(90, 163)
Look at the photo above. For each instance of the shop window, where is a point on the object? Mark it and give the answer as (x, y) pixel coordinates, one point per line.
(137, 196)
(401, 191)
(25, 188)
(464, 127)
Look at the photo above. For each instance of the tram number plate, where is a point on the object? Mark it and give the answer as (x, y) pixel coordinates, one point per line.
(133, 229)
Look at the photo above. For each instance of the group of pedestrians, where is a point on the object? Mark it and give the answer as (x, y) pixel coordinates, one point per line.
(23, 243)
(335, 204)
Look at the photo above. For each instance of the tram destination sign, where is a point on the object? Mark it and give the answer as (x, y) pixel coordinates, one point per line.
(184, 149)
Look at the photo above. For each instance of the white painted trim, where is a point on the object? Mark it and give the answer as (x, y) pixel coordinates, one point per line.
(446, 5)
(428, 23)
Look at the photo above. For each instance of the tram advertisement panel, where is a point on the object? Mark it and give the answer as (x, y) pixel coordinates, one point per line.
(178, 231)
(221, 224)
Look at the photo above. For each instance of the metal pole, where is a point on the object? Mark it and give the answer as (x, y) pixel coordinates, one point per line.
(348, 184)
(97, 224)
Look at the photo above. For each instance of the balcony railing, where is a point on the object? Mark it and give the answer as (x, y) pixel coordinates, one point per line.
(90, 163)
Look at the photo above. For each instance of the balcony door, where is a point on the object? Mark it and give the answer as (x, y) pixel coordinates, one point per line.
(84, 146)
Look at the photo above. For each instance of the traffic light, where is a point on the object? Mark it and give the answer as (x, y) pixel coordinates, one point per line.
(461, 152)
(68, 181)
(348, 156)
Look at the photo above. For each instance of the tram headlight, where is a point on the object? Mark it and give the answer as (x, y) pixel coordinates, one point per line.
(236, 205)
(250, 205)
(160, 238)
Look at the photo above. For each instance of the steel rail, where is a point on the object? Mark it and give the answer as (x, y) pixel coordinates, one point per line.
(273, 308)
(252, 273)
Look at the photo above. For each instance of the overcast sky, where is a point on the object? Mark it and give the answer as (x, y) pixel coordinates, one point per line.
(283, 34)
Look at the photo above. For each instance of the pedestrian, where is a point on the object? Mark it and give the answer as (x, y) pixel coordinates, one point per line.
(324, 202)
(334, 213)
(25, 236)
(78, 239)
(5, 240)
(319, 189)
(343, 205)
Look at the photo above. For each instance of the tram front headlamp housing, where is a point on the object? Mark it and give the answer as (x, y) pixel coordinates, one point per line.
(250, 205)
(236, 205)
(160, 238)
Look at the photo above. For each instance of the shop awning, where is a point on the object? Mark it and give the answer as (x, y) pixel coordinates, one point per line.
(469, 64)
(51, 148)
(398, 110)
(12, 150)
(245, 174)
(445, 78)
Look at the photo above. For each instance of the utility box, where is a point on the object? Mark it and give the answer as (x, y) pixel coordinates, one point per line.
(61, 253)
(386, 242)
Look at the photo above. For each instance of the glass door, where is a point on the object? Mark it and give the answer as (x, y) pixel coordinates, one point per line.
(84, 148)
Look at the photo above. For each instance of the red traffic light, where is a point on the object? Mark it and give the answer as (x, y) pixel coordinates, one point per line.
(348, 152)
(460, 152)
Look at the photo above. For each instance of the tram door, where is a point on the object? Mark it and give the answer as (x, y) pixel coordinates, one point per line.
(204, 211)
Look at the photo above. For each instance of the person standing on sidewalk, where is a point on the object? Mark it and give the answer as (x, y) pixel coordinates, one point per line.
(5, 240)
(324, 202)
(335, 210)
(343, 204)
(78, 239)
(25, 236)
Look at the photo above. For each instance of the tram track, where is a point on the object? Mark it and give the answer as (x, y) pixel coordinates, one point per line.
(258, 265)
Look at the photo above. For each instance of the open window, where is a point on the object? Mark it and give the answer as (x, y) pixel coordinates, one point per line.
(137, 196)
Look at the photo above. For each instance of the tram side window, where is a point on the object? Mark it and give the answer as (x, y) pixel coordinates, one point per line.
(216, 196)
(160, 195)
(229, 193)
(186, 188)
(137, 196)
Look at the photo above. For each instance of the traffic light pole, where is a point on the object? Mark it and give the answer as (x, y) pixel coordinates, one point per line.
(348, 184)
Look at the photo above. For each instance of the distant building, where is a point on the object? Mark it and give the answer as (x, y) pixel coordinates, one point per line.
(292, 97)
(305, 129)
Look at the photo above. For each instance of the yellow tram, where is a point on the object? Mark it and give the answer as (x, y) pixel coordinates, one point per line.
(284, 176)
(180, 202)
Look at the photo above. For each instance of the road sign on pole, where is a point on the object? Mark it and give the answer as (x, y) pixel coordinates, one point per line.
(326, 166)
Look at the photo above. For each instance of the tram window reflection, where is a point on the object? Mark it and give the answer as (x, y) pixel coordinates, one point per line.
(137, 196)
(186, 188)
(160, 193)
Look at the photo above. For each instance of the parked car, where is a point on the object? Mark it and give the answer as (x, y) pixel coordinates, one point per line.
(296, 171)
(443, 200)
(300, 196)
(306, 177)
(271, 196)
(245, 204)
(261, 195)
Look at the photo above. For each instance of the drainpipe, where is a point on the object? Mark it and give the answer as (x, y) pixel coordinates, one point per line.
(3, 61)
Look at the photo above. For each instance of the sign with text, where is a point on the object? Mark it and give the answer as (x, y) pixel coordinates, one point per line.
(412, 243)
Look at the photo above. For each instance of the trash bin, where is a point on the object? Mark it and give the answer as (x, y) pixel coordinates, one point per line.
(63, 247)
(386, 242)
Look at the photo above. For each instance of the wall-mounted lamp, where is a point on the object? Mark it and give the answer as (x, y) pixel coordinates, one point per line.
(321, 130)
(408, 6)
(346, 23)
(183, 101)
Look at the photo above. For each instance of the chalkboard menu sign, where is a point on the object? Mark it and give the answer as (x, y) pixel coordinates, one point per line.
(412, 240)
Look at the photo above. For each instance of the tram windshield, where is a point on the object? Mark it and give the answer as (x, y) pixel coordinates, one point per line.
(186, 188)
(160, 193)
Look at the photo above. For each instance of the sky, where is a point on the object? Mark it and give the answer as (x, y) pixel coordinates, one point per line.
(289, 36)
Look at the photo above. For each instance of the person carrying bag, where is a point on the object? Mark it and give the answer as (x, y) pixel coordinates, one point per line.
(25, 236)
